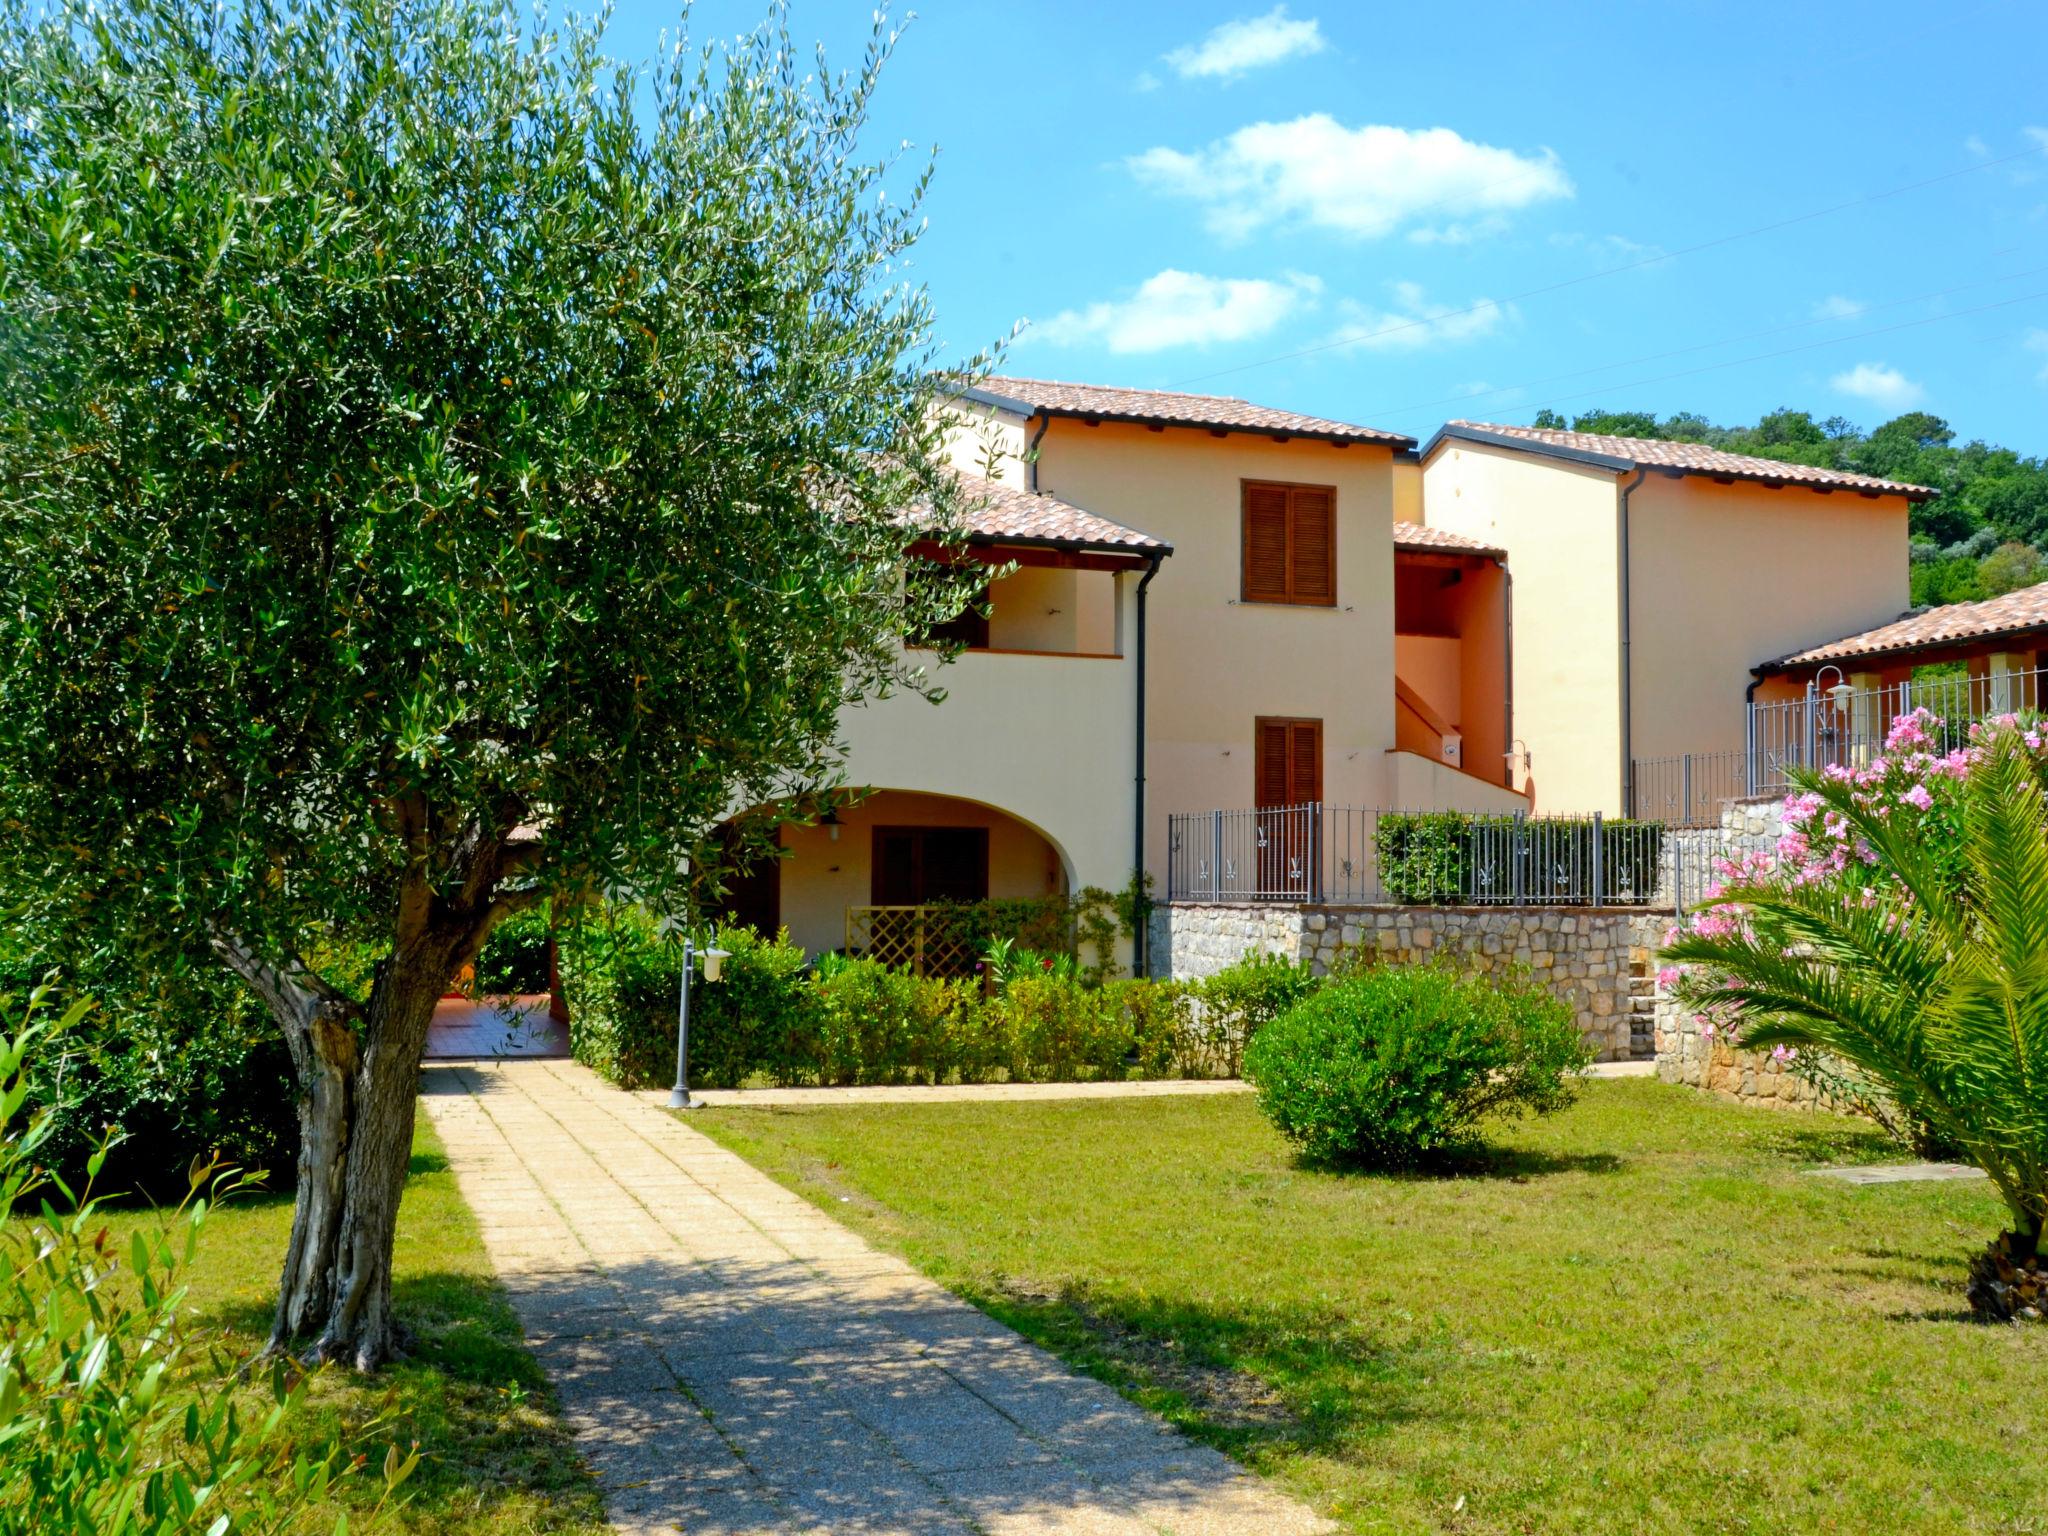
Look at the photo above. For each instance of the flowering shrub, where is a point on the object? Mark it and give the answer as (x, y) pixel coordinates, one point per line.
(1895, 951)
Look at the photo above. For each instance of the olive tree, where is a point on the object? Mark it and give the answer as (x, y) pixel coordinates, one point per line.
(442, 471)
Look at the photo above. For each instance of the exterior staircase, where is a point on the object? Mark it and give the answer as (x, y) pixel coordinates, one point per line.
(1642, 1008)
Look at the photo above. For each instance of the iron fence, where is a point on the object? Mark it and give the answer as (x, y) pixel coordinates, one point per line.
(1839, 726)
(1360, 856)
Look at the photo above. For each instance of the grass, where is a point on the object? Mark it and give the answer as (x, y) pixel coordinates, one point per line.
(496, 1457)
(1640, 1315)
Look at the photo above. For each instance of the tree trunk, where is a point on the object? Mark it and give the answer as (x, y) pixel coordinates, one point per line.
(359, 1076)
(384, 1101)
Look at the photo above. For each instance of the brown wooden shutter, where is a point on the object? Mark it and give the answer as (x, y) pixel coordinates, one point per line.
(1290, 544)
(1273, 759)
(1313, 556)
(1305, 761)
(1265, 544)
(1289, 766)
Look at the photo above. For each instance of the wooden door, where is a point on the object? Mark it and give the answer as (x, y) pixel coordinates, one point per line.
(1289, 772)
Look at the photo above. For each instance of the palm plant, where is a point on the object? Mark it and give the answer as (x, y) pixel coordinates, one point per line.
(1923, 969)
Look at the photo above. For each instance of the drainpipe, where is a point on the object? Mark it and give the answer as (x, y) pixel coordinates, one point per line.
(1507, 669)
(1628, 755)
(1031, 453)
(1749, 735)
(1139, 946)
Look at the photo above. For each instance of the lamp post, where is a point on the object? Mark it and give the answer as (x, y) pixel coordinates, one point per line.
(714, 963)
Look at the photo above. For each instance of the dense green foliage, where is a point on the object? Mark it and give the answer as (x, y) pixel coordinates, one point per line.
(1397, 1066)
(441, 471)
(1921, 962)
(115, 1415)
(1448, 857)
(771, 1018)
(172, 1065)
(1992, 499)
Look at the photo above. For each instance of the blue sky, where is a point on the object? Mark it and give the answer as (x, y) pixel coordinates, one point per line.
(1173, 195)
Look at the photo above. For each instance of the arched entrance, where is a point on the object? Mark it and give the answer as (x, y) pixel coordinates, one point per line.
(896, 849)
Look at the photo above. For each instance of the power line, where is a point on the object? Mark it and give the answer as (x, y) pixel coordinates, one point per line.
(1382, 412)
(1764, 357)
(1628, 266)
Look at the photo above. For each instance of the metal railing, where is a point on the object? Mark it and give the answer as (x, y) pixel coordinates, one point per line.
(1838, 727)
(1359, 856)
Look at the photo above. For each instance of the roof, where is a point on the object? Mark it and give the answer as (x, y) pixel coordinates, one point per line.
(2013, 614)
(1415, 536)
(1002, 514)
(1625, 453)
(1168, 408)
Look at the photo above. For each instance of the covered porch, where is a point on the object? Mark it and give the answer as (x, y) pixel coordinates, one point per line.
(1451, 666)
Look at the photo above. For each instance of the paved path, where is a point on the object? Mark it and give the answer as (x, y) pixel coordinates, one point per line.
(735, 1362)
(515, 1026)
(1899, 1173)
(954, 1093)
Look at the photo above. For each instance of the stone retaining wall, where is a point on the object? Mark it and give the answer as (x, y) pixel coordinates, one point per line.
(1597, 960)
(1686, 1051)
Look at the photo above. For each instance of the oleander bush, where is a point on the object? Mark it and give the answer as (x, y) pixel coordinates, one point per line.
(1398, 1066)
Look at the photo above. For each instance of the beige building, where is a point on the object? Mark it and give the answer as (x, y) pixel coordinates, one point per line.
(1649, 578)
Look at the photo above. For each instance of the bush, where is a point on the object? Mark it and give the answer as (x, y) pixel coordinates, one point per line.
(1449, 857)
(619, 978)
(1242, 999)
(115, 1413)
(188, 1068)
(515, 958)
(1398, 1066)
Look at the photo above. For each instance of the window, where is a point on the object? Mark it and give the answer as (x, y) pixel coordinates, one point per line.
(1289, 761)
(916, 865)
(1290, 544)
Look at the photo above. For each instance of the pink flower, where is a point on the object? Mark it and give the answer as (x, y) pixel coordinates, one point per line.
(1919, 798)
(1667, 976)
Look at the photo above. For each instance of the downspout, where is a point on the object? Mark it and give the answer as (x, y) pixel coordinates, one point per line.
(1031, 453)
(1140, 958)
(1507, 670)
(1628, 755)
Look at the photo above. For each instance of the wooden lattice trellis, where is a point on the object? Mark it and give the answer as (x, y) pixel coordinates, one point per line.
(924, 940)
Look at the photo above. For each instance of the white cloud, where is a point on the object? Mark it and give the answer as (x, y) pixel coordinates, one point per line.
(2036, 340)
(1146, 81)
(1182, 309)
(1836, 307)
(1366, 181)
(1976, 146)
(2039, 136)
(1250, 43)
(1881, 385)
(1413, 322)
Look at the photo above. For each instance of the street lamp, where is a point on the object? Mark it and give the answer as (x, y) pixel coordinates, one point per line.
(714, 967)
(1840, 690)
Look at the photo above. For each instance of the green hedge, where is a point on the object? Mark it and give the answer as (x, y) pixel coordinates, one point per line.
(773, 1018)
(1454, 857)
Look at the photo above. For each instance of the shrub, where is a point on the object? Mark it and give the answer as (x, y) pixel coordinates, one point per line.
(515, 957)
(1242, 999)
(619, 978)
(1448, 857)
(1397, 1066)
(188, 1067)
(115, 1414)
(759, 1016)
(877, 1025)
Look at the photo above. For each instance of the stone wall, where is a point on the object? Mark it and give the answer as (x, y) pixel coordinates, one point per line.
(1598, 961)
(1687, 1052)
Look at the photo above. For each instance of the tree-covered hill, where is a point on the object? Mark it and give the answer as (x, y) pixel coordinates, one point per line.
(1984, 534)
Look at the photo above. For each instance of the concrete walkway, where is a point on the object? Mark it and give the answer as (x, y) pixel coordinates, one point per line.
(954, 1093)
(735, 1361)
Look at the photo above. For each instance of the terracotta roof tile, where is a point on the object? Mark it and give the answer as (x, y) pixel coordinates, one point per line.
(1691, 458)
(1004, 514)
(1416, 536)
(2013, 614)
(1169, 408)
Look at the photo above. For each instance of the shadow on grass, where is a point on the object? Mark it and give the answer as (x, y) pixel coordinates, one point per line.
(468, 1392)
(1285, 1384)
(1517, 1165)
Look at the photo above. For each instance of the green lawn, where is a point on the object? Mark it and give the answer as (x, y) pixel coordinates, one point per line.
(496, 1458)
(1642, 1316)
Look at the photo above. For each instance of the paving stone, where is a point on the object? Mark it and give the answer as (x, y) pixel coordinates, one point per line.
(735, 1363)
